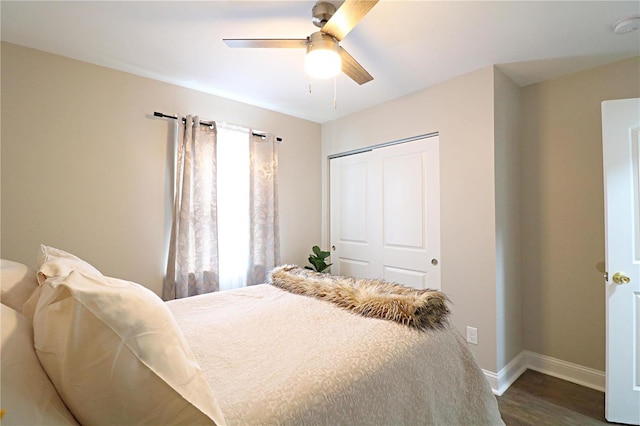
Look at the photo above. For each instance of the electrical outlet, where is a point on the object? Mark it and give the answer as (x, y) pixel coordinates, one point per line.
(472, 335)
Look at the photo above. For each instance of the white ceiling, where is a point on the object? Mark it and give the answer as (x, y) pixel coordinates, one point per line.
(405, 45)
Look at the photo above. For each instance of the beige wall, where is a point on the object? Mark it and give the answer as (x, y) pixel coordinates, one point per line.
(563, 216)
(462, 111)
(85, 168)
(507, 133)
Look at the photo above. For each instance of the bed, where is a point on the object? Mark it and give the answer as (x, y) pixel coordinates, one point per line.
(79, 347)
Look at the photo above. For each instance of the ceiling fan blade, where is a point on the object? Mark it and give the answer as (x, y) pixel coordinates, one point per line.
(353, 69)
(284, 43)
(346, 17)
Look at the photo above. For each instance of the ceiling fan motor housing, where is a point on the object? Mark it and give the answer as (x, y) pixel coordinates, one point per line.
(321, 13)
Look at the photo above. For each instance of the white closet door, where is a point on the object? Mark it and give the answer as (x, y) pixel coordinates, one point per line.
(385, 214)
(352, 205)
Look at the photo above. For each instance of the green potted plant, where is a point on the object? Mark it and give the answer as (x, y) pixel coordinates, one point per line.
(317, 259)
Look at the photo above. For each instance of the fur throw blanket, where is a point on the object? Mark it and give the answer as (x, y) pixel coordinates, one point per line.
(421, 309)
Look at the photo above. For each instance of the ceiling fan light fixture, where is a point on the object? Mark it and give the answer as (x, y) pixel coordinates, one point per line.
(323, 56)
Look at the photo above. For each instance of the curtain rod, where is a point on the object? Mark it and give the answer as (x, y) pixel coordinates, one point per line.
(206, 123)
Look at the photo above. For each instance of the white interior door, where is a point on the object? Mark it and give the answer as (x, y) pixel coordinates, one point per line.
(385, 214)
(621, 144)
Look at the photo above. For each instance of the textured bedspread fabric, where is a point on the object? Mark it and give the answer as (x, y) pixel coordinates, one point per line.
(272, 357)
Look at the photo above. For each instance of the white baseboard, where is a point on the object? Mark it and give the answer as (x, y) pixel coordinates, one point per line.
(568, 371)
(501, 381)
(492, 378)
(585, 376)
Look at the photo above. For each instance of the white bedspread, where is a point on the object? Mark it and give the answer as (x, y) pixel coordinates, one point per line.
(272, 357)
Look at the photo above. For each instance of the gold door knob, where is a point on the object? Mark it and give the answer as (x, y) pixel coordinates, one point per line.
(621, 278)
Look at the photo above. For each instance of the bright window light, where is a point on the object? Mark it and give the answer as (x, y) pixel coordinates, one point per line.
(233, 206)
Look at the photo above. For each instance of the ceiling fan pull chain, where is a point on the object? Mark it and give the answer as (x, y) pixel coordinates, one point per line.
(309, 86)
(335, 92)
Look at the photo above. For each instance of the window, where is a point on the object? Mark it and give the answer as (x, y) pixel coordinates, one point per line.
(233, 205)
(225, 226)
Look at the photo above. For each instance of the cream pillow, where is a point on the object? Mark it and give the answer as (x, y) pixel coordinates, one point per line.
(26, 393)
(53, 262)
(116, 355)
(18, 283)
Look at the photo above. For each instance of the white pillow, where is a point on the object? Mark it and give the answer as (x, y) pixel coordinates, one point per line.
(26, 393)
(53, 262)
(116, 355)
(18, 283)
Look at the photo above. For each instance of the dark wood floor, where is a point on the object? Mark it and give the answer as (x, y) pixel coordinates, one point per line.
(538, 399)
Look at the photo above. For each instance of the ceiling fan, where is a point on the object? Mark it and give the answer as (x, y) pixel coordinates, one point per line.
(325, 57)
